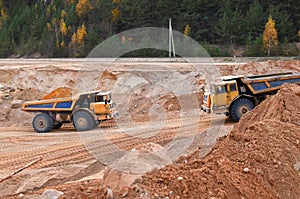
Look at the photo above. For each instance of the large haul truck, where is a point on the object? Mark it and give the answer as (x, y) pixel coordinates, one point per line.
(84, 110)
(236, 95)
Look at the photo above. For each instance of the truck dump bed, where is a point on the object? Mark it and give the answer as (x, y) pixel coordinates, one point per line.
(59, 104)
(266, 83)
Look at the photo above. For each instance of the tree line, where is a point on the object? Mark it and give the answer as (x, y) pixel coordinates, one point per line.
(72, 28)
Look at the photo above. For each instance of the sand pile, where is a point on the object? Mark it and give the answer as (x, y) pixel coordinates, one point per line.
(61, 92)
(283, 107)
(259, 158)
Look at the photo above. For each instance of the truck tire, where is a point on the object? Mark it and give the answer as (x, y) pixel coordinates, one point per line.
(57, 125)
(239, 108)
(42, 123)
(83, 121)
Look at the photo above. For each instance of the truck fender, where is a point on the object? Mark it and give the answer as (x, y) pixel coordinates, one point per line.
(84, 109)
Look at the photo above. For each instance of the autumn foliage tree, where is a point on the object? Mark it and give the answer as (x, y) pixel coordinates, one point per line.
(3, 14)
(54, 28)
(81, 34)
(83, 7)
(77, 40)
(270, 39)
(63, 27)
(116, 11)
(187, 30)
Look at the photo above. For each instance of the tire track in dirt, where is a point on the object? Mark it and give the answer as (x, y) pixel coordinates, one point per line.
(66, 147)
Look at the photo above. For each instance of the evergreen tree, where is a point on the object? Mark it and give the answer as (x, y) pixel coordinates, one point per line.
(283, 23)
(201, 15)
(47, 26)
(254, 21)
(230, 24)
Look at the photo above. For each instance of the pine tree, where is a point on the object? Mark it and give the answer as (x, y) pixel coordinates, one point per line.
(286, 29)
(270, 35)
(254, 21)
(230, 25)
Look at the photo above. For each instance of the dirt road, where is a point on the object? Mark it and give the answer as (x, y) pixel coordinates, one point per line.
(67, 155)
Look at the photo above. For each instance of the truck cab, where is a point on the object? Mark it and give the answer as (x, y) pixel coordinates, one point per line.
(219, 97)
(103, 106)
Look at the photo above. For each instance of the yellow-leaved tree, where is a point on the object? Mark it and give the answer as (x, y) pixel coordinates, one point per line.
(77, 40)
(270, 39)
(55, 25)
(73, 43)
(81, 34)
(187, 30)
(3, 17)
(83, 7)
(63, 14)
(116, 11)
(63, 27)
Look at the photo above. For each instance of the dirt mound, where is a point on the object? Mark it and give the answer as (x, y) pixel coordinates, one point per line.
(283, 107)
(61, 92)
(259, 158)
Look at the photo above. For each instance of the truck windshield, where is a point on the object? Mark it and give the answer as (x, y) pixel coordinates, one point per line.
(221, 89)
(103, 98)
(99, 98)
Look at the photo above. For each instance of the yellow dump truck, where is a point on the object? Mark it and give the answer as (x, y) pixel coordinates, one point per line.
(84, 110)
(236, 95)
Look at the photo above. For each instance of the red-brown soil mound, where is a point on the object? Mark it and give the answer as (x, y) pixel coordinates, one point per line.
(259, 158)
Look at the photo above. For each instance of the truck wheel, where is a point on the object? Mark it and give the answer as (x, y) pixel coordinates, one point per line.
(83, 121)
(240, 107)
(42, 123)
(57, 125)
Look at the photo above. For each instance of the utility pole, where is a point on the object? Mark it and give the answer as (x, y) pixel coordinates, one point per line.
(171, 40)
